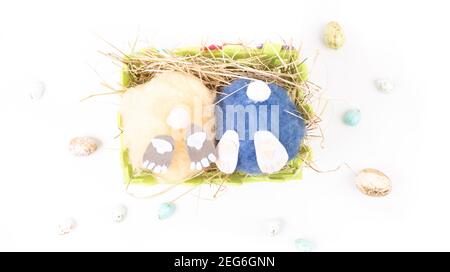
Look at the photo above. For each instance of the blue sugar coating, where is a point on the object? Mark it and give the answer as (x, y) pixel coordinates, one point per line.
(291, 129)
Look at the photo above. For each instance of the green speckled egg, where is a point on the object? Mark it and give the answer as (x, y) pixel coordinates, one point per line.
(334, 35)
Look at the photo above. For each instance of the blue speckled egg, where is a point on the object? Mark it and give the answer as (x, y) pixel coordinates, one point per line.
(276, 114)
(303, 245)
(166, 210)
(352, 117)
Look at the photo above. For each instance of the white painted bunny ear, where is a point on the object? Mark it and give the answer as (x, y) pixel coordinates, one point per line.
(258, 91)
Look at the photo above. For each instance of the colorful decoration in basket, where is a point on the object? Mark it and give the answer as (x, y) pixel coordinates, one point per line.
(210, 110)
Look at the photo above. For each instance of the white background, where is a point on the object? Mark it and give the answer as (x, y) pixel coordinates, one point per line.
(404, 134)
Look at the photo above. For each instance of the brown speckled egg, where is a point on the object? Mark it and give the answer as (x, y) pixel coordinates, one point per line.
(373, 182)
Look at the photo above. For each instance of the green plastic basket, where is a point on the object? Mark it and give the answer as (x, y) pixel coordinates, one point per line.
(274, 53)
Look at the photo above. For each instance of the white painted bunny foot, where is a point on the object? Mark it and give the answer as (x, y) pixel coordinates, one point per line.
(228, 151)
(200, 149)
(159, 153)
(270, 153)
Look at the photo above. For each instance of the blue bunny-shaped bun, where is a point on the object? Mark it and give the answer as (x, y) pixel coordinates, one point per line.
(276, 114)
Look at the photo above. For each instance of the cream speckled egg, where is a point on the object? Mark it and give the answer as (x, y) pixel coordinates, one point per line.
(83, 146)
(119, 213)
(66, 226)
(373, 182)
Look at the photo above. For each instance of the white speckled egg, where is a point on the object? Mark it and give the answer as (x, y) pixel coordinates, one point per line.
(83, 146)
(373, 182)
(66, 226)
(119, 213)
(385, 85)
(36, 90)
(274, 226)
